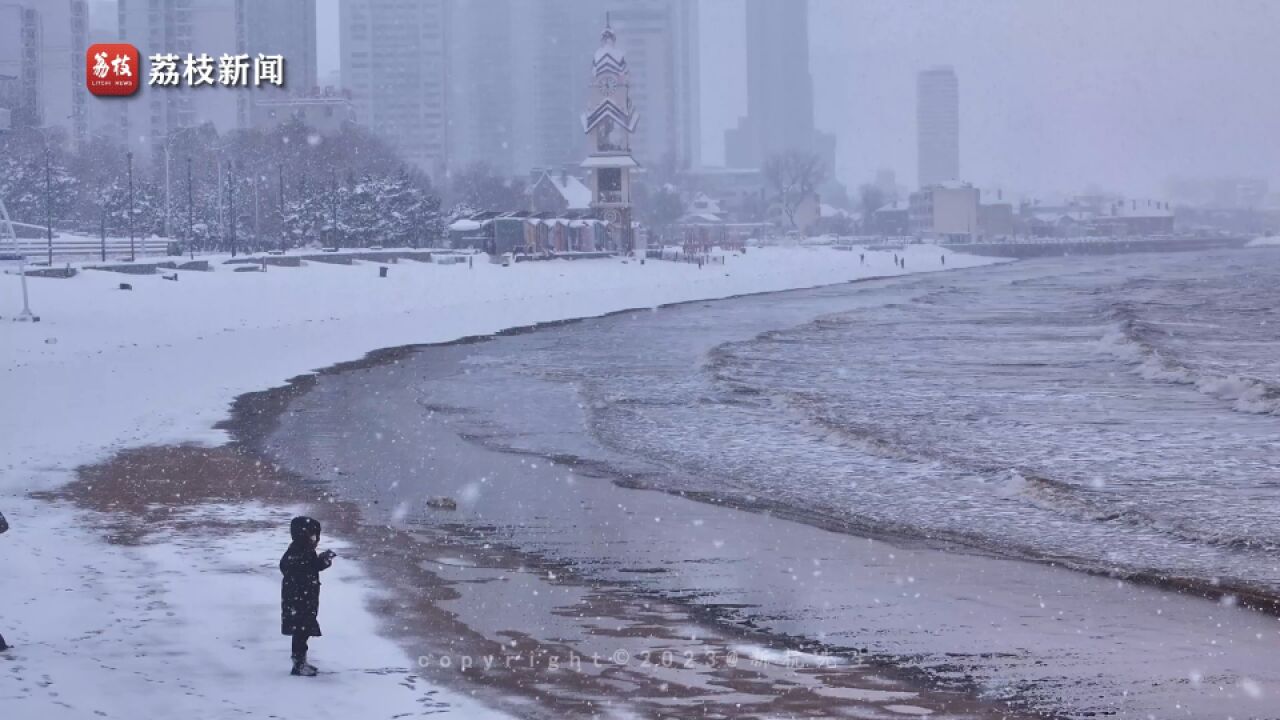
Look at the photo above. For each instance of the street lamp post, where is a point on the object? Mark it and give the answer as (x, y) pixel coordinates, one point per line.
(280, 176)
(231, 202)
(48, 202)
(191, 242)
(164, 225)
(132, 254)
(334, 205)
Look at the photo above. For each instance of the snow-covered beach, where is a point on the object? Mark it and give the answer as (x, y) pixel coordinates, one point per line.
(123, 627)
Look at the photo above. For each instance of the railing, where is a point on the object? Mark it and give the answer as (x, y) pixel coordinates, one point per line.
(83, 247)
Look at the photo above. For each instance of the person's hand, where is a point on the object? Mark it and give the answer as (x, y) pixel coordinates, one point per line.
(328, 554)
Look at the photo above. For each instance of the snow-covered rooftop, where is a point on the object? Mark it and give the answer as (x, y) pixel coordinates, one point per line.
(574, 192)
(603, 161)
(897, 206)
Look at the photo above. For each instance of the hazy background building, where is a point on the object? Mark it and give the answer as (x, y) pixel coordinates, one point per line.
(779, 89)
(42, 50)
(179, 27)
(938, 126)
(395, 64)
(519, 74)
(660, 38)
(215, 27)
(288, 28)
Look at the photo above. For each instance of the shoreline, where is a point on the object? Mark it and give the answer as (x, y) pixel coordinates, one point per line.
(274, 400)
(249, 411)
(311, 416)
(254, 415)
(145, 343)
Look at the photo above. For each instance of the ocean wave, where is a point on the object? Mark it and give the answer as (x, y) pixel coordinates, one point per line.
(1130, 340)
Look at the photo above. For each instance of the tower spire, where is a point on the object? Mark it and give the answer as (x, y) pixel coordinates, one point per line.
(606, 35)
(609, 122)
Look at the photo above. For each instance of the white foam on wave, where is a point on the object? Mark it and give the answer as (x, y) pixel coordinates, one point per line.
(1245, 394)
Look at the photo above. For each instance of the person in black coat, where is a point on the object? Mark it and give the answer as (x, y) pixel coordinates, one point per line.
(300, 589)
(4, 525)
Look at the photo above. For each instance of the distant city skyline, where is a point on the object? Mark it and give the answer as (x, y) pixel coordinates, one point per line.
(1120, 96)
(1172, 86)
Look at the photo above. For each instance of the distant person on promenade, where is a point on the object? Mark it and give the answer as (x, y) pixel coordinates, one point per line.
(300, 589)
(4, 525)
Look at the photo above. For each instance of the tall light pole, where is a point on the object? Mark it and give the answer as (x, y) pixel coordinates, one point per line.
(132, 255)
(191, 240)
(164, 230)
(231, 202)
(335, 210)
(280, 176)
(48, 201)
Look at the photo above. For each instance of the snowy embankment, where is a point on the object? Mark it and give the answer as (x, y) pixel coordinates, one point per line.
(190, 622)
(1272, 241)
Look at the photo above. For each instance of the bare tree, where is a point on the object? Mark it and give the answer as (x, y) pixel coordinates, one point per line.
(872, 198)
(793, 176)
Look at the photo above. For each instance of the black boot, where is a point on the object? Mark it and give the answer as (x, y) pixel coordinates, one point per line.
(300, 667)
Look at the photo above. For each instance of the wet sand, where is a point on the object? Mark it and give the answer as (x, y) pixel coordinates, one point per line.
(525, 634)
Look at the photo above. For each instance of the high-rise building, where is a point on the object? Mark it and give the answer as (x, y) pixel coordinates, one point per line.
(489, 45)
(660, 39)
(215, 27)
(278, 27)
(42, 47)
(179, 27)
(516, 72)
(395, 63)
(288, 28)
(779, 89)
(938, 126)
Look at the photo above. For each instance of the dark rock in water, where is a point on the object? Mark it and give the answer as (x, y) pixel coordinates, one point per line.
(442, 503)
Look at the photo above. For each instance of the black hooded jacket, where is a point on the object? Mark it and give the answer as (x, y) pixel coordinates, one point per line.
(300, 590)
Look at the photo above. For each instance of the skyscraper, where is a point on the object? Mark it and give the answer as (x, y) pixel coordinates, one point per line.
(178, 27)
(517, 72)
(660, 39)
(938, 126)
(484, 123)
(395, 64)
(278, 27)
(779, 89)
(288, 28)
(42, 46)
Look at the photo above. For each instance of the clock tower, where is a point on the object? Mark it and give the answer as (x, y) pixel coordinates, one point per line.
(608, 124)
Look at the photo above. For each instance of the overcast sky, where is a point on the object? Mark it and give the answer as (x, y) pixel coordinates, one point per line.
(1055, 95)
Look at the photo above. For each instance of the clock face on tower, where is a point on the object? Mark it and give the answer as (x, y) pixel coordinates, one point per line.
(607, 84)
